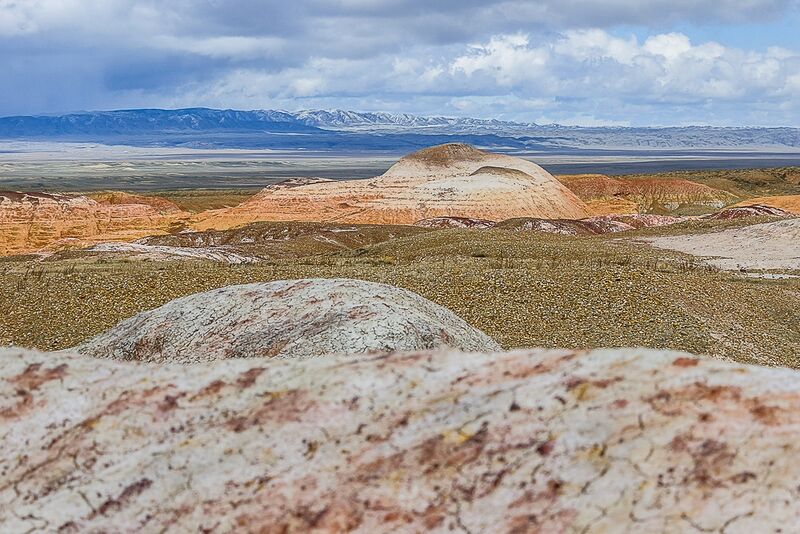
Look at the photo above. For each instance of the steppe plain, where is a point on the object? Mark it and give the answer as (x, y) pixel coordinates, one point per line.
(523, 288)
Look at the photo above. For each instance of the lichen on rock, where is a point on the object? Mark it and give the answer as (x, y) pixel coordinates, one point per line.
(534, 440)
(287, 319)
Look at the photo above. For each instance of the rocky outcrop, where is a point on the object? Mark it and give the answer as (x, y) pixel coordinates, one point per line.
(607, 224)
(527, 441)
(563, 227)
(287, 319)
(285, 239)
(455, 222)
(35, 221)
(138, 251)
(774, 245)
(650, 195)
(744, 212)
(445, 181)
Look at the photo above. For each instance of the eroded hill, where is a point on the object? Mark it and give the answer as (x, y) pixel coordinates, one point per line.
(448, 180)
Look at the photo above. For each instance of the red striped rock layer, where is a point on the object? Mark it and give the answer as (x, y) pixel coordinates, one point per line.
(527, 441)
(649, 195)
(35, 221)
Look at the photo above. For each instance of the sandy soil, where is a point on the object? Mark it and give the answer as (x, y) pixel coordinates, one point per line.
(761, 246)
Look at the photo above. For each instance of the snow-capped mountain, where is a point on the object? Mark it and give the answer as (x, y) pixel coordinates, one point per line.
(352, 119)
(350, 130)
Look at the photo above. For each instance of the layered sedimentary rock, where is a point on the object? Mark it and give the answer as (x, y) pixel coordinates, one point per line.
(444, 181)
(287, 319)
(606, 195)
(34, 221)
(527, 441)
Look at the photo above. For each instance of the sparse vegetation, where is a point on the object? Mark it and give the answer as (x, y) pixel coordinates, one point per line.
(524, 289)
(744, 183)
(197, 200)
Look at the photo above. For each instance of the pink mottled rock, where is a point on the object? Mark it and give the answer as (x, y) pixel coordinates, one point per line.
(743, 212)
(455, 222)
(287, 319)
(529, 441)
(565, 226)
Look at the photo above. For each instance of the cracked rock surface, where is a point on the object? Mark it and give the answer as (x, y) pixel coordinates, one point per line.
(294, 319)
(527, 441)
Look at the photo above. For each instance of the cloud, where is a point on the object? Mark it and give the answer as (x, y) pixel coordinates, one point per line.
(560, 59)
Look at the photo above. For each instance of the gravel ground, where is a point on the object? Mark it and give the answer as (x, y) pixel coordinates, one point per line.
(523, 289)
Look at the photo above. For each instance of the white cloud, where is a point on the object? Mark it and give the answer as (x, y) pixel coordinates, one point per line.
(560, 59)
(234, 47)
(665, 67)
(508, 58)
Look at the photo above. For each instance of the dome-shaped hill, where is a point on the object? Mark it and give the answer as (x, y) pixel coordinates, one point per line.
(445, 155)
(452, 180)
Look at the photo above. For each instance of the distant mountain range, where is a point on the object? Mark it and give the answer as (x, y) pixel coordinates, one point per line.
(385, 132)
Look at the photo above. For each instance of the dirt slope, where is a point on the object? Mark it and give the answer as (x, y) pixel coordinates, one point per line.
(774, 245)
(606, 195)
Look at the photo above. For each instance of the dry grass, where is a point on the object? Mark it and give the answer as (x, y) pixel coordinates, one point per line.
(744, 183)
(524, 289)
(197, 200)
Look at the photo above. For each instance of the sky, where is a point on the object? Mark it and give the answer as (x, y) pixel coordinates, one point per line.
(575, 62)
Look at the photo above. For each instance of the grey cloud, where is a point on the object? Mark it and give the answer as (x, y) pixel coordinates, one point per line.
(61, 55)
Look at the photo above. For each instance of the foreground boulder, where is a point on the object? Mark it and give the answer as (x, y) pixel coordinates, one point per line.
(296, 319)
(527, 441)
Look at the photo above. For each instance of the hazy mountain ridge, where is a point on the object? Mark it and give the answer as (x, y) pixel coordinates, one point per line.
(339, 129)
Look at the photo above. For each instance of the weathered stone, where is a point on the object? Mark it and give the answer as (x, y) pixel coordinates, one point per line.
(294, 319)
(529, 441)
